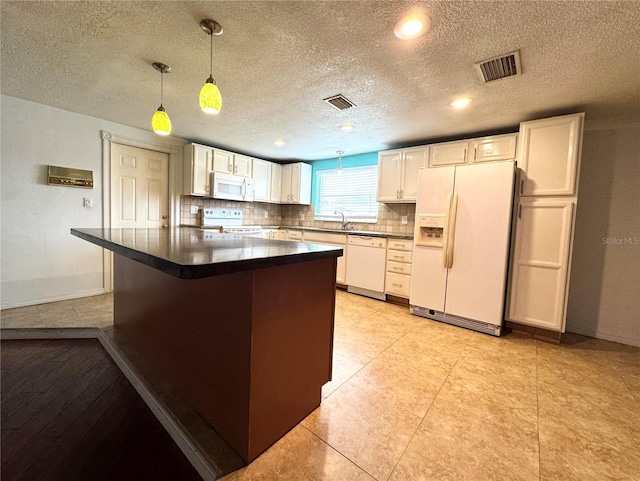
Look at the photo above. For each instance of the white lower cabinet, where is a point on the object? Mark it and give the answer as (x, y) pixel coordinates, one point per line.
(540, 262)
(398, 275)
(334, 240)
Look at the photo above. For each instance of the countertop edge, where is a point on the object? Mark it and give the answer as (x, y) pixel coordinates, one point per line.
(200, 271)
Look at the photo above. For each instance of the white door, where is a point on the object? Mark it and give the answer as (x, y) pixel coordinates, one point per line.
(549, 151)
(428, 274)
(541, 263)
(276, 182)
(242, 165)
(261, 180)
(413, 160)
(295, 183)
(389, 166)
(286, 183)
(139, 187)
(222, 161)
(448, 153)
(477, 277)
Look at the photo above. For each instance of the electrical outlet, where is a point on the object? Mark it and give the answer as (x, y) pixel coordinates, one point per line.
(301, 216)
(194, 209)
(87, 202)
(266, 214)
(404, 219)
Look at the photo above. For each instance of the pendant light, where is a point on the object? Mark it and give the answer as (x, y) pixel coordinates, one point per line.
(160, 122)
(210, 98)
(340, 171)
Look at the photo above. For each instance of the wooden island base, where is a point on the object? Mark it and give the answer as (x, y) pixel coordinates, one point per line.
(249, 350)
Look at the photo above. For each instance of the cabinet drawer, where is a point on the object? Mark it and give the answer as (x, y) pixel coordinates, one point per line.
(294, 235)
(399, 267)
(399, 256)
(398, 284)
(400, 244)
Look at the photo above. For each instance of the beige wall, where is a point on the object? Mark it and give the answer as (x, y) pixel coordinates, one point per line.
(604, 294)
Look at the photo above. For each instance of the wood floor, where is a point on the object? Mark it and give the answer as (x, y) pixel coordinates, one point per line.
(68, 413)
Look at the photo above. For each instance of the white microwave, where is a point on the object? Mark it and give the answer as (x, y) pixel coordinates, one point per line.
(231, 187)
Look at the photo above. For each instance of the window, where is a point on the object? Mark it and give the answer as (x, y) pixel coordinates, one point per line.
(353, 193)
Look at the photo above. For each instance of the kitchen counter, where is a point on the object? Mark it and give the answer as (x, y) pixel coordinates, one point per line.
(191, 253)
(242, 327)
(389, 235)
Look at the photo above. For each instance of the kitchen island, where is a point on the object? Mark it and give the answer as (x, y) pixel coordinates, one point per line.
(241, 326)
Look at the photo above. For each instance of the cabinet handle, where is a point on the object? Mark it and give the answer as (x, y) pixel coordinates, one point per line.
(519, 211)
(396, 268)
(230, 166)
(235, 169)
(396, 285)
(464, 156)
(401, 193)
(475, 150)
(521, 186)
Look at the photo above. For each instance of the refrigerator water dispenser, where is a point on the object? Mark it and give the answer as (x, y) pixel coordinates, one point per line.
(429, 230)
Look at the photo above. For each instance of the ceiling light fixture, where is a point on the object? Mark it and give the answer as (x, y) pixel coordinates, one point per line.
(210, 98)
(340, 171)
(347, 127)
(278, 142)
(412, 26)
(460, 103)
(160, 122)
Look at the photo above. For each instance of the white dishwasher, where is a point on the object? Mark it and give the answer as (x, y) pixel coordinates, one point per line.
(366, 265)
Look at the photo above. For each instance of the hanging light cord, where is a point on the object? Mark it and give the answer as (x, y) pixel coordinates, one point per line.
(161, 85)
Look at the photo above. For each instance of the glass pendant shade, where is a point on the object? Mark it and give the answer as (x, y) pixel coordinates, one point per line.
(210, 98)
(160, 122)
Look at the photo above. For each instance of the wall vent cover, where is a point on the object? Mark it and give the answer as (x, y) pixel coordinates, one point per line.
(499, 67)
(340, 102)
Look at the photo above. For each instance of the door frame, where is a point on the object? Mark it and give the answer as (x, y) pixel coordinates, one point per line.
(171, 146)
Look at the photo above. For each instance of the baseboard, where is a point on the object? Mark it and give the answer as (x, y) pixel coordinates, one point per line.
(400, 301)
(170, 424)
(536, 332)
(46, 300)
(608, 337)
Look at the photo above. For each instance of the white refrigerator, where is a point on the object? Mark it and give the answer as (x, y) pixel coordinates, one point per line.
(461, 244)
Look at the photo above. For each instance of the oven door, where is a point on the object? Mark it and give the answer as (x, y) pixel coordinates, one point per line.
(231, 187)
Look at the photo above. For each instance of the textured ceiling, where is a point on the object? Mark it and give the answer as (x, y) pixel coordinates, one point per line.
(277, 60)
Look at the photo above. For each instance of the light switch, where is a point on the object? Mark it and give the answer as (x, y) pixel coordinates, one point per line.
(301, 216)
(404, 219)
(266, 214)
(87, 202)
(194, 209)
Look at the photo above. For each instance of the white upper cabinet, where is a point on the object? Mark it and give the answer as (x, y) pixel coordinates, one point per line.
(275, 194)
(262, 180)
(230, 163)
(296, 183)
(198, 163)
(449, 153)
(494, 148)
(548, 155)
(398, 174)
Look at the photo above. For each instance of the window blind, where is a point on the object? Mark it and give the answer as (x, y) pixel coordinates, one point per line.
(352, 193)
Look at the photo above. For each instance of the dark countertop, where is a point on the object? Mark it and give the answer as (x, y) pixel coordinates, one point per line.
(389, 235)
(191, 253)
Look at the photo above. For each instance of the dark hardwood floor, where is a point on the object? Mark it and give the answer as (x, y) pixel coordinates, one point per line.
(68, 413)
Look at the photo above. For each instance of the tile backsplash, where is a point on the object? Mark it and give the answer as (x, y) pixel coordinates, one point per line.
(389, 215)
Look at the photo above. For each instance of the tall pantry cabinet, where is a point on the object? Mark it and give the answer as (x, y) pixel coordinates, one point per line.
(548, 162)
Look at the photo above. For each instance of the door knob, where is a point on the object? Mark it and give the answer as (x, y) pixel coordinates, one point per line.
(164, 226)
(164, 216)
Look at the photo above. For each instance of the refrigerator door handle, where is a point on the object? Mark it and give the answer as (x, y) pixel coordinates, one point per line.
(452, 230)
(445, 233)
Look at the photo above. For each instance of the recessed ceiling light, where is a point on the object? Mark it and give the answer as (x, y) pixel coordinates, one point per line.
(460, 103)
(412, 26)
(347, 127)
(278, 142)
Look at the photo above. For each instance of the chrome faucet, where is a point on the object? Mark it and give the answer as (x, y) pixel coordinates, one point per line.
(344, 219)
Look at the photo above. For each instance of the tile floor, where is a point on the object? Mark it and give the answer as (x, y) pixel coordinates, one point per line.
(413, 399)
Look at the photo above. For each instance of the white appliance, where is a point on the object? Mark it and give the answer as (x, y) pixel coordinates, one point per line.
(366, 261)
(227, 221)
(461, 244)
(231, 187)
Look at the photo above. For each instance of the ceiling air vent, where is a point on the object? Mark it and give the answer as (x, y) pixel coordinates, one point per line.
(500, 67)
(340, 102)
